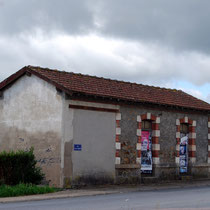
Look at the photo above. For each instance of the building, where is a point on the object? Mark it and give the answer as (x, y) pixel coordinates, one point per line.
(87, 129)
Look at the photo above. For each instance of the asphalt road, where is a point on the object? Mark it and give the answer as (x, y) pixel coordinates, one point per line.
(186, 198)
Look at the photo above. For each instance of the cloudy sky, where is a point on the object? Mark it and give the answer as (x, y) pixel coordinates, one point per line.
(155, 42)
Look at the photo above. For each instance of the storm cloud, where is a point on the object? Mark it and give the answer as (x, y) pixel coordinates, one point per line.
(179, 24)
(71, 16)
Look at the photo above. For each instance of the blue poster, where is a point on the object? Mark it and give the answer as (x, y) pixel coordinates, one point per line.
(183, 154)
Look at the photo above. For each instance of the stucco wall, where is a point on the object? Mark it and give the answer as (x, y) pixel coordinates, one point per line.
(30, 115)
(95, 131)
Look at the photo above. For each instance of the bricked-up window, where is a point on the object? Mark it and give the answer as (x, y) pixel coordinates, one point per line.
(184, 128)
(146, 125)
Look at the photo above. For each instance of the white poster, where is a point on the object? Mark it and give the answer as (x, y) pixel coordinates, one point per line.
(183, 154)
(146, 152)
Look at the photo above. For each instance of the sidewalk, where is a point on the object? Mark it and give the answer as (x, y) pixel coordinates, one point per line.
(111, 189)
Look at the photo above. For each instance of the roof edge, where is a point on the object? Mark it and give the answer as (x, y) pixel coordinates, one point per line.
(29, 69)
(12, 78)
(142, 102)
(26, 69)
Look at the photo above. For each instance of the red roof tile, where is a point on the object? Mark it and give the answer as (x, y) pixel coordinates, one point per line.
(91, 85)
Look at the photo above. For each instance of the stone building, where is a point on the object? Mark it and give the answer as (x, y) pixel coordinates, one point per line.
(87, 129)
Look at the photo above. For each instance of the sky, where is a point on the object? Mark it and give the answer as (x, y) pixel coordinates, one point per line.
(157, 42)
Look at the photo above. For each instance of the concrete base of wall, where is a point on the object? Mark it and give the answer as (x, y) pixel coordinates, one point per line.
(166, 172)
(128, 174)
(132, 175)
(80, 181)
(200, 171)
(172, 172)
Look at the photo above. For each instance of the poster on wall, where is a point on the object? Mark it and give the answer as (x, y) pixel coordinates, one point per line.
(146, 152)
(183, 154)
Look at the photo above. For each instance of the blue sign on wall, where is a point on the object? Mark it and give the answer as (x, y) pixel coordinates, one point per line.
(77, 147)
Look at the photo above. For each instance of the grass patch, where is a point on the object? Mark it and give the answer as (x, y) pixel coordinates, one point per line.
(24, 189)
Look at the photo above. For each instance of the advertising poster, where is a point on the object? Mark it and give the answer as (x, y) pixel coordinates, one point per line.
(183, 154)
(146, 152)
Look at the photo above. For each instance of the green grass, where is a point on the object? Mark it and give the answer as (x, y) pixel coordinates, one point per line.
(24, 189)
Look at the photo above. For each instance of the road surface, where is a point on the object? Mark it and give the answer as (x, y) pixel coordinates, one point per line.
(185, 198)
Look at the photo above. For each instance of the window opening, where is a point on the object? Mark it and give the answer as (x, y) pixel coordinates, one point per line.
(184, 128)
(146, 125)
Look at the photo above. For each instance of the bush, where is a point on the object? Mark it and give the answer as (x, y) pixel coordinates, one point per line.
(19, 167)
(24, 189)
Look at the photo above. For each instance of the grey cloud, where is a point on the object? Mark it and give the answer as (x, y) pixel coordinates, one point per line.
(17, 16)
(178, 29)
(130, 61)
(180, 24)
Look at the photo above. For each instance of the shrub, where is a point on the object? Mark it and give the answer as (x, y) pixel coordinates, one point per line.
(19, 167)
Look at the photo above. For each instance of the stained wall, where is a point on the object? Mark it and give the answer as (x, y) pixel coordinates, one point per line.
(31, 116)
(95, 132)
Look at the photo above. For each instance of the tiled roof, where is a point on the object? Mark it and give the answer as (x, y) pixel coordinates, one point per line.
(96, 86)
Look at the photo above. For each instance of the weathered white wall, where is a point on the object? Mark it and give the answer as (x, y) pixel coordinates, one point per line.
(95, 131)
(30, 115)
